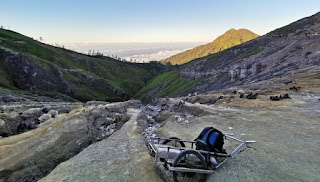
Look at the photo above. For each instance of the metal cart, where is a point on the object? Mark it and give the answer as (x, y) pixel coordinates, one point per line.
(187, 163)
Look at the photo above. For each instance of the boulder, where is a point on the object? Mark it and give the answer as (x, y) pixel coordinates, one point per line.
(2, 127)
(53, 113)
(33, 112)
(44, 117)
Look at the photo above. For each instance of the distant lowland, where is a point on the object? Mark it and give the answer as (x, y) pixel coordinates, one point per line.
(140, 52)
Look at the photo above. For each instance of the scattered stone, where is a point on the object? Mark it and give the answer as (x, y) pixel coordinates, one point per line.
(280, 97)
(96, 103)
(44, 118)
(181, 103)
(53, 113)
(2, 127)
(295, 88)
(234, 92)
(33, 112)
(252, 96)
(287, 82)
(241, 95)
(241, 91)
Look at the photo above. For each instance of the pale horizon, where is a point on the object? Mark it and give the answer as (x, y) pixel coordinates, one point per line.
(145, 21)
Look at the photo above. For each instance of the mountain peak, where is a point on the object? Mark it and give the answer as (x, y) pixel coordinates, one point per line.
(231, 30)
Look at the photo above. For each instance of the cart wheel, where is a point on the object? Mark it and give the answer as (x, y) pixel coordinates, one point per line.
(170, 141)
(189, 159)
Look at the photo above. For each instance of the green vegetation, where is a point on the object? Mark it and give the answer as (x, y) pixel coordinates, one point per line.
(5, 79)
(87, 77)
(166, 84)
(229, 39)
(251, 53)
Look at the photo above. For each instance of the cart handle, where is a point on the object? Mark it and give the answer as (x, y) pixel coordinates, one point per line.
(228, 134)
(250, 141)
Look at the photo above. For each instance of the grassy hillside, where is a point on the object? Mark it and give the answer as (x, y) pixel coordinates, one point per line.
(229, 39)
(26, 64)
(166, 84)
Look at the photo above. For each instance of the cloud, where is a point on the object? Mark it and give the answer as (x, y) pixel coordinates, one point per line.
(141, 52)
(153, 56)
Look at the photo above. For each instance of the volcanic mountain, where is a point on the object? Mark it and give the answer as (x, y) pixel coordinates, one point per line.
(285, 51)
(229, 39)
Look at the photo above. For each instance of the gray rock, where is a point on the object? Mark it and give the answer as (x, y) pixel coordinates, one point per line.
(33, 112)
(2, 127)
(96, 103)
(44, 117)
(53, 113)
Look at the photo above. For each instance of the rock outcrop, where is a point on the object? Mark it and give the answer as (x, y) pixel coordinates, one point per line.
(20, 117)
(121, 157)
(31, 155)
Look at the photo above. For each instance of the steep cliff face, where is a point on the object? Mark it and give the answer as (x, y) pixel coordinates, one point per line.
(27, 74)
(285, 51)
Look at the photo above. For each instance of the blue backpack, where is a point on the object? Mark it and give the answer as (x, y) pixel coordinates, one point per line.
(210, 139)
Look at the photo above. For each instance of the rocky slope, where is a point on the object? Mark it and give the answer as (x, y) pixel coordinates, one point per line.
(285, 51)
(229, 39)
(29, 67)
(286, 132)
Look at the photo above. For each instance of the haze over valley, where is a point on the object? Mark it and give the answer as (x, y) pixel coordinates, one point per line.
(138, 52)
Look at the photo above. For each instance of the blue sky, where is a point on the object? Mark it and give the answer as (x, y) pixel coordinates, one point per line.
(63, 21)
